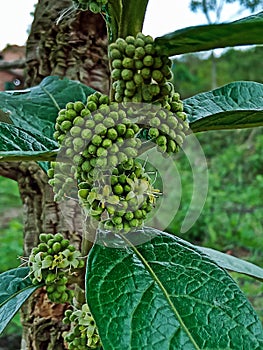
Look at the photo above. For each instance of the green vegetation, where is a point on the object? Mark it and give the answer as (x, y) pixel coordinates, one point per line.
(192, 72)
(11, 237)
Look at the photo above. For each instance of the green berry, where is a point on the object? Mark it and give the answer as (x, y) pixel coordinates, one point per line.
(157, 76)
(128, 63)
(69, 105)
(101, 152)
(96, 140)
(108, 122)
(75, 131)
(66, 125)
(146, 73)
(127, 74)
(117, 64)
(100, 129)
(64, 243)
(153, 132)
(112, 134)
(161, 140)
(56, 247)
(86, 134)
(70, 114)
(83, 193)
(118, 189)
(148, 61)
(43, 247)
(139, 53)
(106, 143)
(130, 50)
(92, 106)
(121, 44)
(90, 124)
(116, 74)
(121, 129)
(138, 79)
(78, 106)
(150, 49)
(85, 112)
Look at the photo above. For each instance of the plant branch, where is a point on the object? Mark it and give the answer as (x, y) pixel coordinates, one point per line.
(7, 65)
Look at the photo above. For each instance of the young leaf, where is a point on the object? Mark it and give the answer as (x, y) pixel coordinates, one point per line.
(233, 106)
(247, 31)
(232, 263)
(165, 294)
(15, 289)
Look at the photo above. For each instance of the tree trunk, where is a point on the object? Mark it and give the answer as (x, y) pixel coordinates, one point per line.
(75, 48)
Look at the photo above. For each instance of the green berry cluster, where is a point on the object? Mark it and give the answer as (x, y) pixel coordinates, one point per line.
(83, 333)
(93, 137)
(139, 73)
(122, 199)
(71, 117)
(93, 6)
(164, 127)
(51, 262)
(62, 179)
(110, 140)
(99, 142)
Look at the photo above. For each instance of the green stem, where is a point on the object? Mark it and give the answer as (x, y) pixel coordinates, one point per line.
(113, 19)
(132, 17)
(89, 234)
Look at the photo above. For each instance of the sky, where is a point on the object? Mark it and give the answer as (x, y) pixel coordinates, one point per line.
(15, 18)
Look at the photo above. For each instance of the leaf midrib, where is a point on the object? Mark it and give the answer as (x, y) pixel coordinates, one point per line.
(161, 286)
(17, 293)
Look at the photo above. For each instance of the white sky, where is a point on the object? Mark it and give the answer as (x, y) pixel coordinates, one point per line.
(15, 18)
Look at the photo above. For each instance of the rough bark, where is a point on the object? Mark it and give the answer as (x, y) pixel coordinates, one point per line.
(75, 48)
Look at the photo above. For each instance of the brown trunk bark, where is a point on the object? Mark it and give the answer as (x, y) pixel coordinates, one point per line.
(75, 48)
(41, 319)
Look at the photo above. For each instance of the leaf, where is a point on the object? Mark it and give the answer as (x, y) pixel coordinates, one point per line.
(247, 31)
(233, 106)
(165, 294)
(232, 263)
(15, 289)
(15, 139)
(33, 113)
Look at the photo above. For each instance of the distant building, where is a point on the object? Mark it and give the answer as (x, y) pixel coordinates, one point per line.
(12, 79)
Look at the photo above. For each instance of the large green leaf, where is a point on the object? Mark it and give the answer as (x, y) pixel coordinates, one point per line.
(17, 142)
(15, 289)
(33, 113)
(232, 263)
(206, 37)
(233, 106)
(165, 294)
